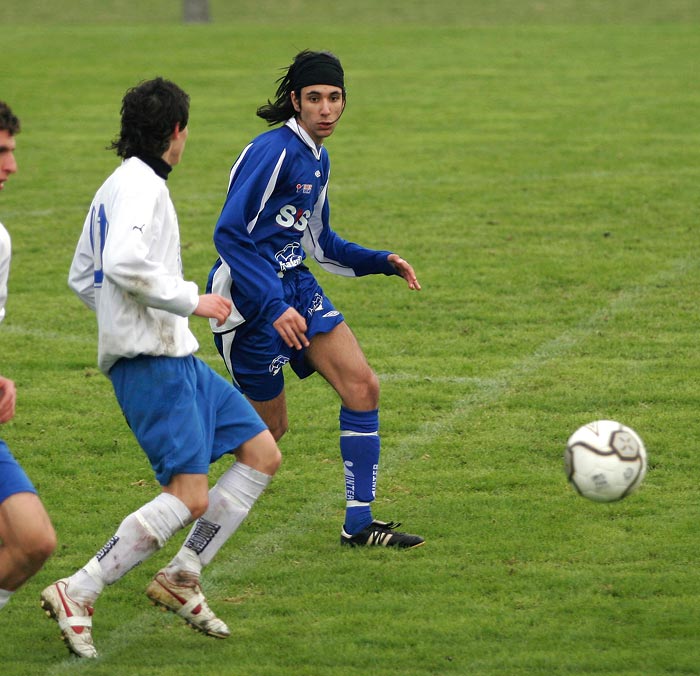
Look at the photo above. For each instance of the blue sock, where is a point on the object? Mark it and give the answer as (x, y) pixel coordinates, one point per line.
(359, 448)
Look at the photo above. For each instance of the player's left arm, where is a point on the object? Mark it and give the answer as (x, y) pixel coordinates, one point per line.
(213, 306)
(341, 257)
(405, 270)
(128, 261)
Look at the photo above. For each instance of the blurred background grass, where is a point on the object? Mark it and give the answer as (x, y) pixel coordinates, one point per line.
(377, 12)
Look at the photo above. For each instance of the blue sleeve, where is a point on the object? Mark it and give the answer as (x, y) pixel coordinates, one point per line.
(360, 260)
(337, 255)
(258, 287)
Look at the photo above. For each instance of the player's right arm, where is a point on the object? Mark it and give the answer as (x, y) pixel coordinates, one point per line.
(141, 221)
(252, 181)
(5, 256)
(82, 277)
(292, 329)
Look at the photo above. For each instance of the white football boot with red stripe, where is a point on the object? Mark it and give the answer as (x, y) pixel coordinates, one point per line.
(184, 597)
(74, 619)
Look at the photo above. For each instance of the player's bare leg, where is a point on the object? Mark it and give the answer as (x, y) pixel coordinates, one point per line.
(274, 414)
(338, 357)
(27, 539)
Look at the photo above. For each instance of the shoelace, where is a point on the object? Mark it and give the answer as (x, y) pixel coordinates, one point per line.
(391, 525)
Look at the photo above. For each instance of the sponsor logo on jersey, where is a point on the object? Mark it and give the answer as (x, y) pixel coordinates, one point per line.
(277, 363)
(290, 216)
(304, 188)
(332, 313)
(289, 257)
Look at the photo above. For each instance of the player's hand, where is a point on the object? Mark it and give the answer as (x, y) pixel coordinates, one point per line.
(8, 398)
(405, 270)
(292, 328)
(213, 306)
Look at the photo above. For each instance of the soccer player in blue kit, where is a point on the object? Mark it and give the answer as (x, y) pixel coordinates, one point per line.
(127, 268)
(276, 212)
(27, 537)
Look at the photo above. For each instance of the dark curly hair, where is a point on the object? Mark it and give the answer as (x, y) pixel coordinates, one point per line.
(9, 122)
(282, 108)
(149, 114)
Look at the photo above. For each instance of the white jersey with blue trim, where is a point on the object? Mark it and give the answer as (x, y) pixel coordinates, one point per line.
(127, 268)
(275, 214)
(5, 257)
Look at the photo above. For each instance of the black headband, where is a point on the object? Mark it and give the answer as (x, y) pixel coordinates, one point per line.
(318, 69)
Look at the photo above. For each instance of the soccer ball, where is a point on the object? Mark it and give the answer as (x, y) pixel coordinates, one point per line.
(605, 460)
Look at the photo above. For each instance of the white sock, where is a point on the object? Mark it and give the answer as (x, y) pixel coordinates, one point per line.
(230, 500)
(140, 535)
(4, 597)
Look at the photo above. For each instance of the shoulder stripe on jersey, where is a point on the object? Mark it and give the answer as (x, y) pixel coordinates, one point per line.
(269, 189)
(235, 166)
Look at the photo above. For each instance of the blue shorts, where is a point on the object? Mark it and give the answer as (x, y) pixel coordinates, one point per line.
(184, 415)
(255, 353)
(12, 477)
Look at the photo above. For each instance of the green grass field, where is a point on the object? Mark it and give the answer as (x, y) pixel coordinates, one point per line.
(538, 165)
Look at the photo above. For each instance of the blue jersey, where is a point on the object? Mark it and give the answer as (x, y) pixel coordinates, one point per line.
(276, 213)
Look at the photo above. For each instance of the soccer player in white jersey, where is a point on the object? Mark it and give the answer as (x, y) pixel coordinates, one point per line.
(276, 212)
(127, 268)
(27, 537)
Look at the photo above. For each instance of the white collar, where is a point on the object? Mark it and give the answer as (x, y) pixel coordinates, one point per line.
(294, 125)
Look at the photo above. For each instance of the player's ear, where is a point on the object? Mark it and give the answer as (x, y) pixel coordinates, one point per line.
(295, 101)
